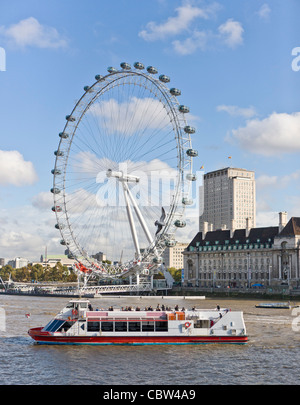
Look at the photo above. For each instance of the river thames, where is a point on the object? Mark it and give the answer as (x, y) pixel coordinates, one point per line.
(272, 355)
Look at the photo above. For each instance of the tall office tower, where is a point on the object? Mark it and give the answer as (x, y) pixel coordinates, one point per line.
(229, 200)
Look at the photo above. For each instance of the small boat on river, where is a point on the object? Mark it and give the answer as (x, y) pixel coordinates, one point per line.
(78, 324)
(278, 305)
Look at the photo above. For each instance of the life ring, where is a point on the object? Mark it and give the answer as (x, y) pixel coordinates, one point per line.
(187, 324)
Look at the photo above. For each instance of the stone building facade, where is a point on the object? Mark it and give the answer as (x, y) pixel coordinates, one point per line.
(243, 258)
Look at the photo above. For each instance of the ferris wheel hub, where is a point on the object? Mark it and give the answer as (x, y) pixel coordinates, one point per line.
(122, 177)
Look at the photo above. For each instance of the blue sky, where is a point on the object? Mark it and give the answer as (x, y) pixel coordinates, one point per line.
(231, 59)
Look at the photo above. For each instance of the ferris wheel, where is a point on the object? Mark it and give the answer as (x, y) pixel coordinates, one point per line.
(123, 172)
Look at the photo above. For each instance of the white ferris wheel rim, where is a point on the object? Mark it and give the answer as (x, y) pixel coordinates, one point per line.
(101, 95)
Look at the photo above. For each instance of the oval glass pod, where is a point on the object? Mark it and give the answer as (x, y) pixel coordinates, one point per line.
(99, 78)
(187, 201)
(59, 226)
(180, 224)
(171, 243)
(191, 177)
(125, 66)
(192, 152)
(56, 208)
(164, 78)
(152, 70)
(175, 92)
(55, 190)
(58, 153)
(111, 69)
(184, 109)
(63, 135)
(139, 65)
(70, 118)
(56, 171)
(189, 130)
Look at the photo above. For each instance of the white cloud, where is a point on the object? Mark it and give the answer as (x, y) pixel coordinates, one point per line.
(29, 32)
(188, 46)
(232, 33)
(234, 110)
(15, 170)
(174, 25)
(132, 116)
(274, 135)
(43, 200)
(265, 182)
(264, 11)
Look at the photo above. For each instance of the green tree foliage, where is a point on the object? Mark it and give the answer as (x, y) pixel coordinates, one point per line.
(38, 273)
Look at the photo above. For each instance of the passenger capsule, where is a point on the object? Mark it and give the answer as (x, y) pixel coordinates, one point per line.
(58, 153)
(164, 78)
(191, 177)
(125, 66)
(179, 224)
(187, 201)
(62, 242)
(152, 70)
(57, 208)
(175, 92)
(99, 78)
(112, 69)
(184, 109)
(70, 118)
(157, 260)
(139, 65)
(87, 89)
(56, 171)
(59, 226)
(192, 152)
(70, 256)
(189, 130)
(55, 190)
(63, 135)
(171, 243)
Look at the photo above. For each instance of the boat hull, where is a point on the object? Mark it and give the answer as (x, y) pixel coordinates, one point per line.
(46, 338)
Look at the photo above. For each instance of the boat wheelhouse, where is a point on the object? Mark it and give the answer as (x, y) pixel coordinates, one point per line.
(78, 323)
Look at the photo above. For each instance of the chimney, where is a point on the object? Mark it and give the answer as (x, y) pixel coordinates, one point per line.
(232, 228)
(248, 226)
(282, 220)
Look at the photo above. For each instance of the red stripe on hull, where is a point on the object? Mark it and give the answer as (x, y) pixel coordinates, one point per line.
(41, 337)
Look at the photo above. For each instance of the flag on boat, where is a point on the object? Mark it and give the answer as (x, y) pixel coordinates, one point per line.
(27, 315)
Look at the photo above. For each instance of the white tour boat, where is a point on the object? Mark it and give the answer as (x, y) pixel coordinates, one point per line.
(78, 324)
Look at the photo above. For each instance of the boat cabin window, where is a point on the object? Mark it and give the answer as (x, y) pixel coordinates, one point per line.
(65, 326)
(120, 326)
(161, 326)
(148, 326)
(54, 325)
(107, 326)
(93, 326)
(134, 326)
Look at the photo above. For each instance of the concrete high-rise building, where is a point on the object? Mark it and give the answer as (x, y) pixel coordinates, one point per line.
(229, 200)
(173, 257)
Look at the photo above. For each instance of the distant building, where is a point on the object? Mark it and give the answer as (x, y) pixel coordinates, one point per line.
(18, 262)
(2, 261)
(267, 256)
(100, 256)
(229, 200)
(172, 256)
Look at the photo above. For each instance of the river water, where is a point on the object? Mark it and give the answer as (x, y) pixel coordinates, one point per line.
(272, 355)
